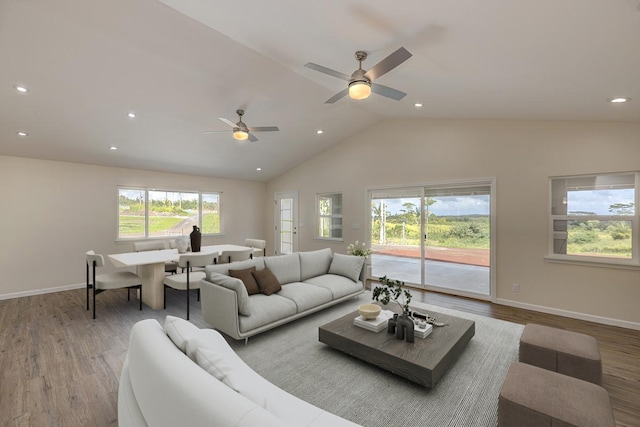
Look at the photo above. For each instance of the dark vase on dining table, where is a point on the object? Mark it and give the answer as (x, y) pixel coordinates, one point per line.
(196, 239)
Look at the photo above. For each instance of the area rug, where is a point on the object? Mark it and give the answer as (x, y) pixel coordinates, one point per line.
(292, 358)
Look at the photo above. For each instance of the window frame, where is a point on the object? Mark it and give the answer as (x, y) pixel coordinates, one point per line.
(593, 260)
(146, 192)
(331, 217)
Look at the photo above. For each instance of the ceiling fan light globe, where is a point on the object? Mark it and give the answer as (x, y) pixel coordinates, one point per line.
(240, 134)
(359, 90)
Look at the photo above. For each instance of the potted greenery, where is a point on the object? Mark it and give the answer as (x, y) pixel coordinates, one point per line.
(392, 290)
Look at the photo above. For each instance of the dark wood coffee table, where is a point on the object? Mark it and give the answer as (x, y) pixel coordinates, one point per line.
(423, 362)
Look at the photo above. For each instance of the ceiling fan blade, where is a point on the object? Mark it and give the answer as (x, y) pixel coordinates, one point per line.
(387, 91)
(229, 122)
(252, 138)
(215, 131)
(328, 71)
(264, 129)
(388, 63)
(337, 96)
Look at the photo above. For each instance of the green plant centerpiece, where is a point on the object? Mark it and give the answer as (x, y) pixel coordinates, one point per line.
(392, 290)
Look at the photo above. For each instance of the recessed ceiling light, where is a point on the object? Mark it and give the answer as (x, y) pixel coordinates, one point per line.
(21, 89)
(113, 147)
(258, 169)
(619, 100)
(319, 131)
(417, 105)
(132, 115)
(20, 133)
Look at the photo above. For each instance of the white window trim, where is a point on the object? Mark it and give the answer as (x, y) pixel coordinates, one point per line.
(319, 217)
(146, 213)
(608, 262)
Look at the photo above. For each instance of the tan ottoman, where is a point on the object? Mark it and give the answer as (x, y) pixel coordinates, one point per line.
(534, 397)
(566, 352)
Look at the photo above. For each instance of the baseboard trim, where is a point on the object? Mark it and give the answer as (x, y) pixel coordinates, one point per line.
(42, 291)
(571, 314)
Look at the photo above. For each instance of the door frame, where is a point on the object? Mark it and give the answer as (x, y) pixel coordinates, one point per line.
(491, 182)
(276, 220)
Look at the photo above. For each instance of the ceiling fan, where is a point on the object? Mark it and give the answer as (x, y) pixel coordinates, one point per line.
(361, 82)
(241, 131)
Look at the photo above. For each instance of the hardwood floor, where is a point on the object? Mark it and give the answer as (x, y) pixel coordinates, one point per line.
(58, 367)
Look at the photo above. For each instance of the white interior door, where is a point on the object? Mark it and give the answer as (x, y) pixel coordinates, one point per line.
(286, 223)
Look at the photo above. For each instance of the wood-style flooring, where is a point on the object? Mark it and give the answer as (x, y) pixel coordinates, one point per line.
(58, 367)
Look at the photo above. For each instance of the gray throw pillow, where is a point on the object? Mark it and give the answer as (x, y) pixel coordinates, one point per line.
(348, 266)
(244, 305)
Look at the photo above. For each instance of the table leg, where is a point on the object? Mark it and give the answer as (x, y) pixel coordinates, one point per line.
(152, 284)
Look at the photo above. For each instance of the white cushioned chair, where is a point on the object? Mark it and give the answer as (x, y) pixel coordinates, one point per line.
(102, 282)
(259, 246)
(233, 256)
(189, 280)
(157, 245)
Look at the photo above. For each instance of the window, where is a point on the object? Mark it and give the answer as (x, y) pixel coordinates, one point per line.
(330, 216)
(594, 219)
(160, 213)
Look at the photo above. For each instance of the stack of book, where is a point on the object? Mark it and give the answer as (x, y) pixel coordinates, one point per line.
(375, 325)
(422, 331)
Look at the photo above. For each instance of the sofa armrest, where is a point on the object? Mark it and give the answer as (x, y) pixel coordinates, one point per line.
(220, 308)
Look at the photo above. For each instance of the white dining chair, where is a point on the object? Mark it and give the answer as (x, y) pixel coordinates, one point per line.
(259, 246)
(102, 282)
(232, 256)
(189, 280)
(157, 245)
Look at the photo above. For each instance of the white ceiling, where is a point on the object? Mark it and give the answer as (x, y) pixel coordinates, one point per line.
(181, 64)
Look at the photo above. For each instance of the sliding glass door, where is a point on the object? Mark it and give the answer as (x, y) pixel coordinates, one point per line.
(435, 236)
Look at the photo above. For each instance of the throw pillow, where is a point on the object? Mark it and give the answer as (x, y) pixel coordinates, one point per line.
(348, 266)
(180, 331)
(231, 372)
(244, 305)
(267, 281)
(247, 278)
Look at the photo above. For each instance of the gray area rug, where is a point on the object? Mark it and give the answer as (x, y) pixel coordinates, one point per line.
(292, 358)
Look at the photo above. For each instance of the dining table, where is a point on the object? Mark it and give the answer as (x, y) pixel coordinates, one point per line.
(150, 268)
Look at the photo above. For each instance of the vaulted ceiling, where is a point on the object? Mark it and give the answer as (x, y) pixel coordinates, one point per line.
(179, 65)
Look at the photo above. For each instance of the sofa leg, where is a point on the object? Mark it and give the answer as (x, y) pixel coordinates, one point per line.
(246, 340)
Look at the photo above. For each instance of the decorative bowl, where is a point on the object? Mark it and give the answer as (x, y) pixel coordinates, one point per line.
(369, 311)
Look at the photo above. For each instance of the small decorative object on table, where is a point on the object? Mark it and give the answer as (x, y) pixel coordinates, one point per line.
(182, 244)
(369, 311)
(196, 239)
(394, 290)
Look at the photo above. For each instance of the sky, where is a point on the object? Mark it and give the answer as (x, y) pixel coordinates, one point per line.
(598, 201)
(446, 206)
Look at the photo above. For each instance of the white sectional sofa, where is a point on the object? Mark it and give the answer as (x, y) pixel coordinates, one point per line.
(310, 281)
(180, 375)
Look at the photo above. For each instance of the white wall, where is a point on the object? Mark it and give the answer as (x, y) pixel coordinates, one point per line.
(521, 155)
(51, 213)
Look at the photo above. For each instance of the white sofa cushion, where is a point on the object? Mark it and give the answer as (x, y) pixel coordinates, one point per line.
(180, 331)
(286, 268)
(214, 355)
(348, 266)
(305, 296)
(314, 263)
(266, 309)
(171, 390)
(244, 303)
(339, 286)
